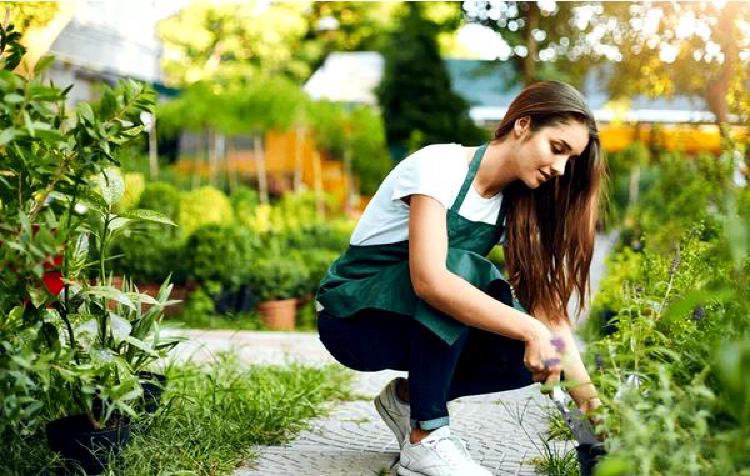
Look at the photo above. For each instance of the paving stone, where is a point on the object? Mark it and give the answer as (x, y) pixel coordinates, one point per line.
(353, 436)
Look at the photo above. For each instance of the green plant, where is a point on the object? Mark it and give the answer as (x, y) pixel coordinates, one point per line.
(135, 183)
(556, 462)
(497, 256)
(317, 262)
(732, 359)
(678, 328)
(227, 405)
(140, 325)
(149, 253)
(58, 188)
(558, 427)
(115, 343)
(244, 200)
(221, 254)
(202, 206)
(162, 197)
(278, 277)
(332, 235)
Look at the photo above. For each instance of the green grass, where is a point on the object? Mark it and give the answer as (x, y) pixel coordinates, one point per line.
(553, 461)
(558, 428)
(209, 419)
(556, 462)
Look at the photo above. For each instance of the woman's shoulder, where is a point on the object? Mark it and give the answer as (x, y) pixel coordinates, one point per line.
(450, 148)
(444, 156)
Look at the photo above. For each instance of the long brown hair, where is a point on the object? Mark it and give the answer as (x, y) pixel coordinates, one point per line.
(550, 230)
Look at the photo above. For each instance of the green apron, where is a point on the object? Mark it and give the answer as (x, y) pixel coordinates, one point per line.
(377, 276)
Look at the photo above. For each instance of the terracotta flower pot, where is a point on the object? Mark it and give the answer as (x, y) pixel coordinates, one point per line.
(278, 314)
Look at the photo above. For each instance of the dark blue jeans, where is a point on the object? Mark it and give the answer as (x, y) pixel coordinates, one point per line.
(479, 362)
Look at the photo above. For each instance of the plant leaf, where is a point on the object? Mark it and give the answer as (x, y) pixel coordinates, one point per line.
(148, 215)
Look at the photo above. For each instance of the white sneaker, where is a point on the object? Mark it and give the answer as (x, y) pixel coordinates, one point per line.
(438, 454)
(394, 413)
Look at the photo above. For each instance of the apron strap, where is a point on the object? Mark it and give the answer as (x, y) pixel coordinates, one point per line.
(473, 167)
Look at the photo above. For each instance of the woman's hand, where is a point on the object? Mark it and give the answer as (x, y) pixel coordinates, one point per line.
(541, 357)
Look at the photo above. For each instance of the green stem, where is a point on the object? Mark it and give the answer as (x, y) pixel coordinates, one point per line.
(66, 307)
(102, 251)
(43, 197)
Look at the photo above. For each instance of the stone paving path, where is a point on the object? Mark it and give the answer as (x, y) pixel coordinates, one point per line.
(501, 429)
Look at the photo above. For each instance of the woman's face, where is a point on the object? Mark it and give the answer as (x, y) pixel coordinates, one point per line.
(543, 154)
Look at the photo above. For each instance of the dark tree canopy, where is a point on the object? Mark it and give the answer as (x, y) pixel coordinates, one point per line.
(419, 107)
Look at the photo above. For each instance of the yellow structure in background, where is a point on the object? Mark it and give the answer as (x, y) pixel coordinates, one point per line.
(314, 166)
(689, 138)
(288, 155)
(293, 153)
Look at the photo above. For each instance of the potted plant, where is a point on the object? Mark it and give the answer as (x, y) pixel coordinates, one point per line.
(216, 261)
(277, 281)
(144, 344)
(58, 183)
(110, 344)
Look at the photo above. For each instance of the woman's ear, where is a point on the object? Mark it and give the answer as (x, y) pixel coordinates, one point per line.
(522, 127)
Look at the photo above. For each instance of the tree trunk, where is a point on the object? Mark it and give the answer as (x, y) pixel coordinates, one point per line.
(634, 185)
(200, 149)
(220, 142)
(261, 170)
(231, 172)
(212, 159)
(635, 172)
(529, 62)
(717, 88)
(153, 153)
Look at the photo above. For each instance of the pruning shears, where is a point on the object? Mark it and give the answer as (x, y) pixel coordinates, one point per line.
(589, 448)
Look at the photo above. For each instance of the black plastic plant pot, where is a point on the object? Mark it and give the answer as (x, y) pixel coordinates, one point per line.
(153, 385)
(76, 439)
(588, 457)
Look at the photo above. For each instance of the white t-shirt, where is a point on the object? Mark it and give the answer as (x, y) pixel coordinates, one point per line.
(436, 170)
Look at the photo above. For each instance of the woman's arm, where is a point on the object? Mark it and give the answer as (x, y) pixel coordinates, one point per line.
(580, 387)
(453, 295)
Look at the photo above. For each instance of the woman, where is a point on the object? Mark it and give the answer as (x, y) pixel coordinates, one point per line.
(415, 292)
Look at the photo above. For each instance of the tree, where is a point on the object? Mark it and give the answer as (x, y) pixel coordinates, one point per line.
(365, 26)
(346, 26)
(355, 136)
(208, 40)
(700, 48)
(415, 93)
(25, 15)
(543, 40)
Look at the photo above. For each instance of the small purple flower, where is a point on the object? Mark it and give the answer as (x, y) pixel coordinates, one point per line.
(699, 313)
(559, 344)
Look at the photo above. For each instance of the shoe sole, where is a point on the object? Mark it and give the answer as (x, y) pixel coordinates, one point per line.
(389, 421)
(401, 471)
